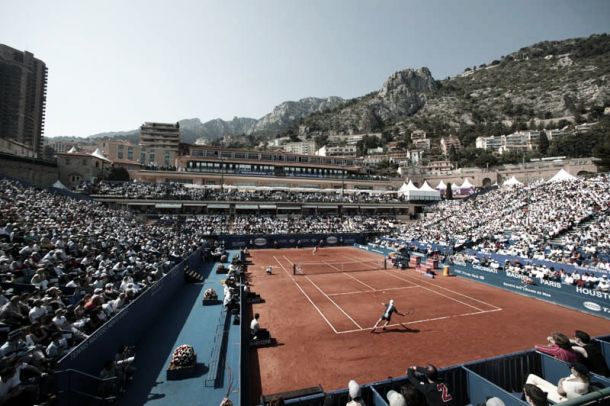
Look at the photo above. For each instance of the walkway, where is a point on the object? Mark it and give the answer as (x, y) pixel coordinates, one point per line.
(187, 321)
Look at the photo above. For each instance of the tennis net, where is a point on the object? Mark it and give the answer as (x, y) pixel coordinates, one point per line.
(317, 268)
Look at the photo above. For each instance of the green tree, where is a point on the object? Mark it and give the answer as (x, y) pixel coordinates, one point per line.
(543, 145)
(48, 152)
(118, 173)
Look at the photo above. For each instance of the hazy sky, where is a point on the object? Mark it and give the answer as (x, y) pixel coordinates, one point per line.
(114, 64)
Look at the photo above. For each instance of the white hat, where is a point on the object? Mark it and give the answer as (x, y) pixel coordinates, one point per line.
(396, 399)
(354, 389)
(494, 402)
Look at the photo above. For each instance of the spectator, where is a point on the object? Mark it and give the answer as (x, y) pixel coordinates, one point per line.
(570, 387)
(603, 284)
(559, 347)
(534, 396)
(396, 399)
(592, 357)
(354, 394)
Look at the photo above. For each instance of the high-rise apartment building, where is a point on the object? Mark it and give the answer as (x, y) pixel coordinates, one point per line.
(23, 93)
(159, 144)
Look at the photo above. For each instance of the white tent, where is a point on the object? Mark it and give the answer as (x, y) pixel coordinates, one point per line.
(98, 154)
(412, 192)
(72, 150)
(441, 186)
(561, 176)
(512, 182)
(467, 184)
(407, 189)
(427, 193)
(59, 185)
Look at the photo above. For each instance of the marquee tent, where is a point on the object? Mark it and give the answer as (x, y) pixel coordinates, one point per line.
(59, 185)
(441, 186)
(561, 176)
(466, 187)
(512, 182)
(428, 193)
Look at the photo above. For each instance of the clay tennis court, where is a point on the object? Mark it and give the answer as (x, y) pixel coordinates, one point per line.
(322, 319)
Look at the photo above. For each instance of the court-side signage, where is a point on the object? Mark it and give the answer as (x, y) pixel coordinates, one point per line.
(584, 299)
(331, 240)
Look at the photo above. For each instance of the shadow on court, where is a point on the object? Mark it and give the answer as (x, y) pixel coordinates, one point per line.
(397, 329)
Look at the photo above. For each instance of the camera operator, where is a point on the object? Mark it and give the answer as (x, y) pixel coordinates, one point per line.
(125, 368)
(427, 381)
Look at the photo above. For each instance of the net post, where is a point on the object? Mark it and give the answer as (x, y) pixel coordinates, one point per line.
(294, 269)
(385, 263)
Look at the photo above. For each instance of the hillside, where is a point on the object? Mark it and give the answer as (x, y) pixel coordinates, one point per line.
(535, 85)
(545, 85)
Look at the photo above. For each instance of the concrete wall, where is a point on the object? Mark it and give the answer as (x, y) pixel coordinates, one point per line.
(37, 172)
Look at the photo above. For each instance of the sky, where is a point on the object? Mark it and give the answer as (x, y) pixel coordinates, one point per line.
(115, 64)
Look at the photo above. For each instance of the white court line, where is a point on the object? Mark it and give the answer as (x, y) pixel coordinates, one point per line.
(328, 263)
(438, 293)
(457, 293)
(291, 263)
(423, 321)
(333, 302)
(444, 288)
(305, 294)
(376, 290)
(359, 281)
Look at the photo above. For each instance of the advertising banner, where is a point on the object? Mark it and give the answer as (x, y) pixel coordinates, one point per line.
(587, 300)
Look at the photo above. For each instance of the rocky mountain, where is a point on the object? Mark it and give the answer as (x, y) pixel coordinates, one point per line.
(403, 94)
(285, 115)
(537, 86)
(192, 129)
(534, 86)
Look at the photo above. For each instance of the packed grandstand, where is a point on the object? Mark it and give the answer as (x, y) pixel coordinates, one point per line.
(69, 264)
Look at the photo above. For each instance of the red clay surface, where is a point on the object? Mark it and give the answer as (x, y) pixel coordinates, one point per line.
(323, 322)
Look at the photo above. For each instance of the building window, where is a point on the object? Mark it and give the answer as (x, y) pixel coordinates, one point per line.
(120, 154)
(97, 164)
(84, 162)
(67, 161)
(130, 153)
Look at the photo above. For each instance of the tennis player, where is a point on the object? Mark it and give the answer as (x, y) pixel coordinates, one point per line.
(390, 308)
(269, 270)
(315, 249)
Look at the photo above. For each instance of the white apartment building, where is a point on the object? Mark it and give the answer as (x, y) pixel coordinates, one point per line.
(518, 141)
(301, 148)
(347, 150)
(350, 139)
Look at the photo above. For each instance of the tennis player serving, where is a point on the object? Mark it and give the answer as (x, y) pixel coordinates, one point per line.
(390, 308)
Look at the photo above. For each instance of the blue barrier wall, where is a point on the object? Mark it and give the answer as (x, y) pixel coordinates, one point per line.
(376, 249)
(290, 240)
(128, 325)
(586, 300)
(481, 389)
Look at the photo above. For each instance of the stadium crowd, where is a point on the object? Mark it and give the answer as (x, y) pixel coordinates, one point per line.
(270, 225)
(526, 221)
(534, 274)
(66, 266)
(178, 191)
